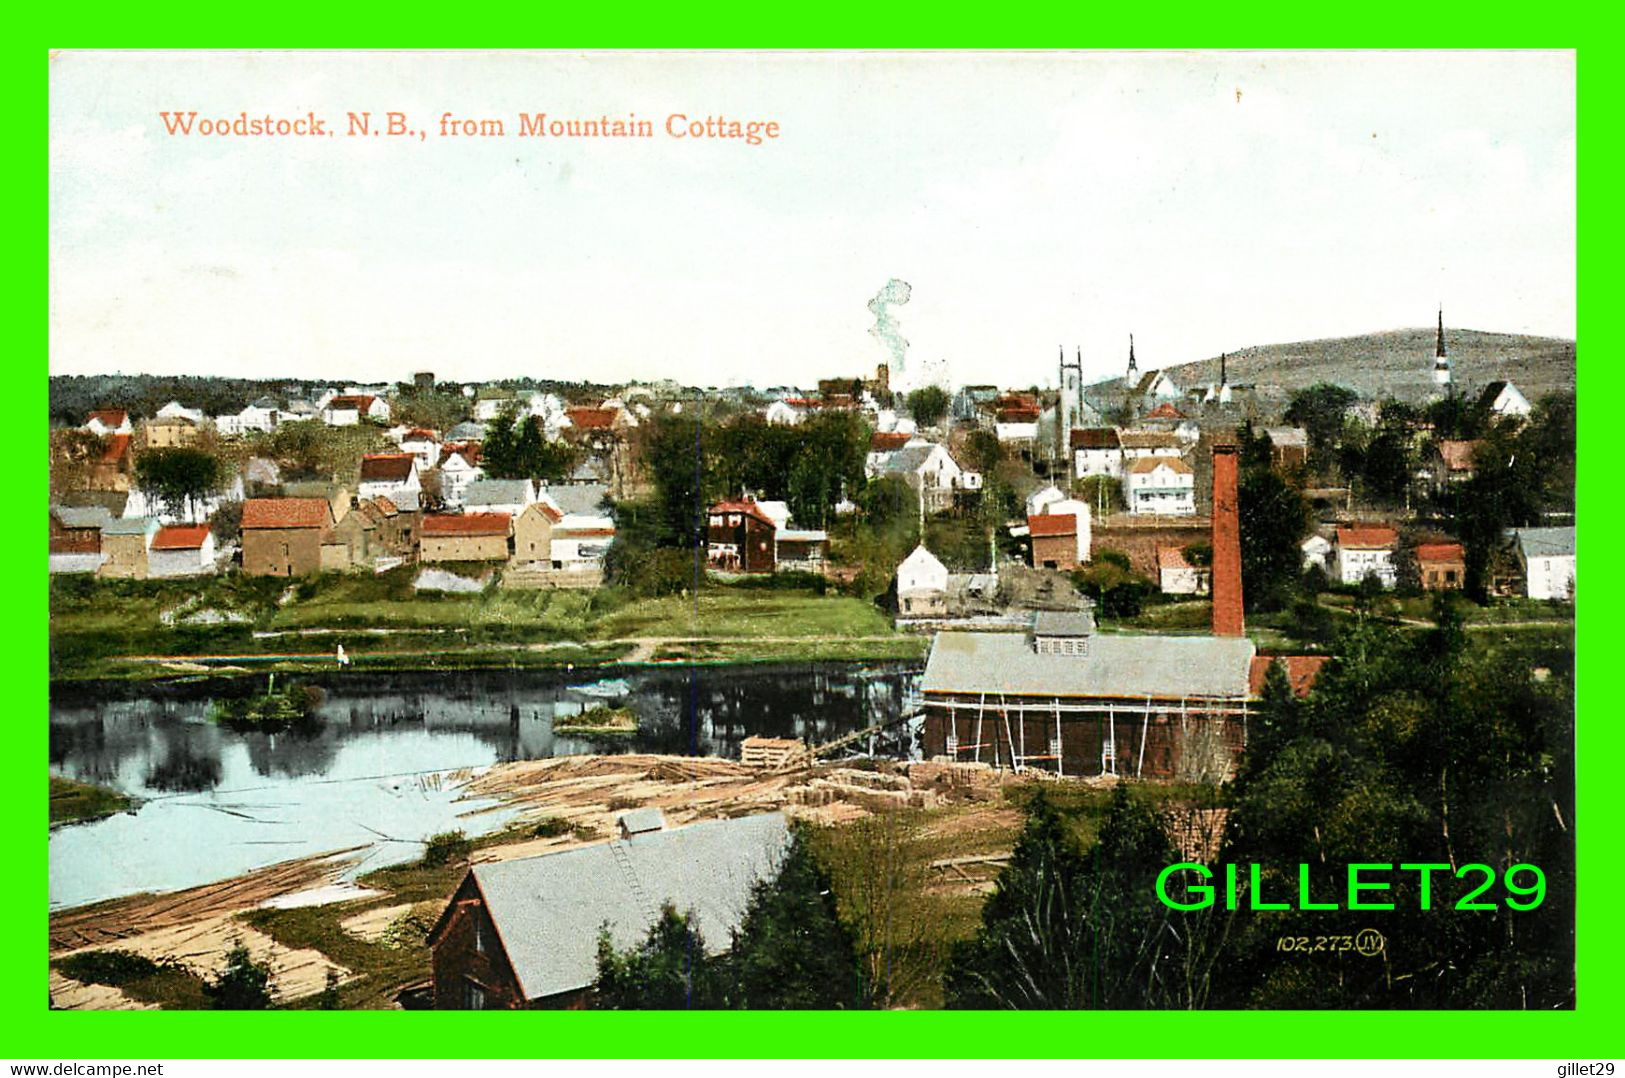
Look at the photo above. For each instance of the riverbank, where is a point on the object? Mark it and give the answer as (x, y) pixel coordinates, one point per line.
(77, 802)
(305, 919)
(140, 630)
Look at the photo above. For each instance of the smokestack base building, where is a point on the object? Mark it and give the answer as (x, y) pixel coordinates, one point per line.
(1068, 700)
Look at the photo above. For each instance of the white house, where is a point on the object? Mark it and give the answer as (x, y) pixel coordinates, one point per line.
(343, 411)
(1547, 558)
(181, 550)
(786, 412)
(1165, 485)
(580, 542)
(1042, 498)
(928, 467)
(1366, 549)
(423, 445)
(491, 402)
(387, 475)
(1177, 576)
(1317, 553)
(548, 408)
(177, 410)
(459, 466)
(1504, 399)
(1097, 451)
(922, 584)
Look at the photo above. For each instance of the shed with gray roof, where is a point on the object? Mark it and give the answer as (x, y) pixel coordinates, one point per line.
(524, 933)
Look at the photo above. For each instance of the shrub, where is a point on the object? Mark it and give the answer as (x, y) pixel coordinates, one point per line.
(244, 985)
(551, 827)
(115, 968)
(446, 847)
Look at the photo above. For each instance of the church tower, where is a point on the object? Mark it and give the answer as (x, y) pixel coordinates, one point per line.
(1133, 374)
(1441, 362)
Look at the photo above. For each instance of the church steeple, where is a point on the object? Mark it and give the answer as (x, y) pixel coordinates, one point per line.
(1132, 369)
(1441, 362)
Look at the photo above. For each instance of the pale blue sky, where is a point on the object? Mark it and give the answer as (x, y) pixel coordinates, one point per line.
(1030, 199)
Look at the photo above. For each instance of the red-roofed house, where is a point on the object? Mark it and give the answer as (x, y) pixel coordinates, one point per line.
(1177, 576)
(1443, 566)
(181, 550)
(1058, 542)
(347, 411)
(1301, 671)
(1165, 410)
(465, 537)
(283, 536)
(385, 475)
(423, 444)
(108, 421)
(114, 468)
(459, 466)
(1365, 549)
(740, 538)
(533, 533)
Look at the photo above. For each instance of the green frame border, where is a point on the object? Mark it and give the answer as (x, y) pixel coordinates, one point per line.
(1591, 1030)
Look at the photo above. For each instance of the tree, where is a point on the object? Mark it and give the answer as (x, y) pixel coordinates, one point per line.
(928, 405)
(1064, 929)
(73, 451)
(499, 450)
(983, 452)
(668, 970)
(243, 985)
(791, 952)
(175, 478)
(227, 522)
(1320, 410)
(674, 460)
(1274, 520)
(1102, 493)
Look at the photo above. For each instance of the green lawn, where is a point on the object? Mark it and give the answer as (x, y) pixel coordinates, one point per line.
(72, 800)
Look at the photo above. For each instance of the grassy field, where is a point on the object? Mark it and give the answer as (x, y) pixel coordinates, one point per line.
(96, 626)
(72, 801)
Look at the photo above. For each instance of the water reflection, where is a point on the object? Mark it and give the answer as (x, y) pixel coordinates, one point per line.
(220, 802)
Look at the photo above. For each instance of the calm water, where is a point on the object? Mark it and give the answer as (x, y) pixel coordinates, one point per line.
(217, 803)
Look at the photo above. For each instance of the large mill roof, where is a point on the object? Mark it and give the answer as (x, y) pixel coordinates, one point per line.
(1117, 665)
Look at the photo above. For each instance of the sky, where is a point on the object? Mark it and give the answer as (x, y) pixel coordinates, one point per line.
(1203, 202)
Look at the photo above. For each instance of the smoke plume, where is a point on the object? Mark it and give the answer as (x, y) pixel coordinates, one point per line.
(884, 330)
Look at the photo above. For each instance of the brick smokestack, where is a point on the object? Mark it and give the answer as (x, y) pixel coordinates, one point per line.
(1227, 616)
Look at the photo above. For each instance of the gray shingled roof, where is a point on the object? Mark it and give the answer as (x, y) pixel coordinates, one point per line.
(578, 499)
(905, 461)
(1546, 542)
(466, 431)
(1118, 665)
(548, 909)
(91, 516)
(131, 526)
(1063, 623)
(497, 492)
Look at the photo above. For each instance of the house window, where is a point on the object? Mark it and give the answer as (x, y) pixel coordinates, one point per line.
(473, 996)
(479, 933)
(1449, 576)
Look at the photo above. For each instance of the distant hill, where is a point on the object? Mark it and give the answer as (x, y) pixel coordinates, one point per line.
(1397, 363)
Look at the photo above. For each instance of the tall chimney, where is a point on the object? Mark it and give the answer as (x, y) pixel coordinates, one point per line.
(1227, 616)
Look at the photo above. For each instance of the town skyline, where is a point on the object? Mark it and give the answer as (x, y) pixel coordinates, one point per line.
(1202, 202)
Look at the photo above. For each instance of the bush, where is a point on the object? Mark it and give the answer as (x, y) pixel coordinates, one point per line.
(551, 827)
(115, 968)
(244, 985)
(446, 847)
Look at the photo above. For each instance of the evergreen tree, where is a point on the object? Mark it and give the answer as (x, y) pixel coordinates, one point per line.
(792, 951)
(243, 985)
(668, 970)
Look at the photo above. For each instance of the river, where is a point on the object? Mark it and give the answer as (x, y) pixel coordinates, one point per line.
(216, 802)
